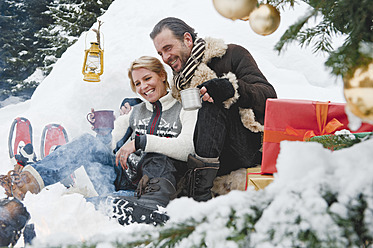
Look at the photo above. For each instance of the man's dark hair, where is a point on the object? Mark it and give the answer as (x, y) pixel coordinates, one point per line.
(177, 26)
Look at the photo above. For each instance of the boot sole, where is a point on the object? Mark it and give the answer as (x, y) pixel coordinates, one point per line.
(127, 212)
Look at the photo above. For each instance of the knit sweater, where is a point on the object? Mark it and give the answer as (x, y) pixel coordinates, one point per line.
(173, 136)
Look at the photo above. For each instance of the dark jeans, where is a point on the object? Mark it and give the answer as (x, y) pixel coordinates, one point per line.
(219, 133)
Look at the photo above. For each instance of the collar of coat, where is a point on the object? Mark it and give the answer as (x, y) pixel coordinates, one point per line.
(213, 48)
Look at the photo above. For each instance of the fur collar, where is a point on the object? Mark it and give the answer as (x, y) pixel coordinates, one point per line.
(214, 48)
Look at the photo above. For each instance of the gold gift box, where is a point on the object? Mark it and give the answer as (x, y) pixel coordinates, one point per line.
(256, 179)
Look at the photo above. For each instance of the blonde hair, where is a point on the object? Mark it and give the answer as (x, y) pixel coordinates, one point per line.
(151, 63)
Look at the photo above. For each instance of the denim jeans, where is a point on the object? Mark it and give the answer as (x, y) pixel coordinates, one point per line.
(99, 162)
(219, 133)
(96, 157)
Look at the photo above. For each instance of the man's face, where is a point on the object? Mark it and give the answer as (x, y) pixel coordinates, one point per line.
(174, 52)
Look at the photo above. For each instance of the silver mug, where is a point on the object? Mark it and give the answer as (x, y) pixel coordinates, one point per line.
(191, 99)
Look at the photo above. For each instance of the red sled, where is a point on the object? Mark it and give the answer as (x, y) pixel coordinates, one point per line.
(20, 134)
(300, 120)
(53, 136)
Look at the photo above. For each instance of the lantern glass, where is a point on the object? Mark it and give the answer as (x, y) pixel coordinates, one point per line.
(93, 63)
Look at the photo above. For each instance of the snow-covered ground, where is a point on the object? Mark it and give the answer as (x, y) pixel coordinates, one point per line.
(64, 98)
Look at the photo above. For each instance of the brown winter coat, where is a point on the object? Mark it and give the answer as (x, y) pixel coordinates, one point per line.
(251, 87)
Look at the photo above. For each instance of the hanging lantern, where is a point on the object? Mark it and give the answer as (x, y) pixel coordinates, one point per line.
(265, 19)
(235, 9)
(93, 65)
(358, 91)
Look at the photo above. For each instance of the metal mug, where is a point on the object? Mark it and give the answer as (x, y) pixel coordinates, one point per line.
(191, 99)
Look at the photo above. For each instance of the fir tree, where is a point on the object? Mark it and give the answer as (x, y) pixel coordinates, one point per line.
(336, 18)
(20, 20)
(71, 18)
(35, 33)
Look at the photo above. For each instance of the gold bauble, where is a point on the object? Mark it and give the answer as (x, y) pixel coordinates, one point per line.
(358, 91)
(235, 9)
(265, 19)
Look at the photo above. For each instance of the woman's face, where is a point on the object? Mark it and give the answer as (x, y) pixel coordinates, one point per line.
(149, 84)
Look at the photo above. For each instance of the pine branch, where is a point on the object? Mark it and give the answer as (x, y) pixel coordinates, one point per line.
(291, 33)
(280, 4)
(340, 141)
(320, 35)
(349, 18)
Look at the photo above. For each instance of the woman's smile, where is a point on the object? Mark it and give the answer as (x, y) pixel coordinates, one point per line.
(149, 84)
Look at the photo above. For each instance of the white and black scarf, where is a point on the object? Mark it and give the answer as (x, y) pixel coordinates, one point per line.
(183, 78)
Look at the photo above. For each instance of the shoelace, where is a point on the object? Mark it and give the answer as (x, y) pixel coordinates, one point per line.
(150, 187)
(9, 182)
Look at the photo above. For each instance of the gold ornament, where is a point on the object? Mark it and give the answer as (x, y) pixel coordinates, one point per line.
(235, 9)
(265, 19)
(358, 91)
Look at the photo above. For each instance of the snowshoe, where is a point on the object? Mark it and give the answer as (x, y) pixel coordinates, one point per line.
(20, 135)
(53, 136)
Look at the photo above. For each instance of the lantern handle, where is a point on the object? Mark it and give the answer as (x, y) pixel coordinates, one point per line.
(98, 33)
(99, 36)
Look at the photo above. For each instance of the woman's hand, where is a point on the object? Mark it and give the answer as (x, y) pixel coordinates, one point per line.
(125, 109)
(123, 154)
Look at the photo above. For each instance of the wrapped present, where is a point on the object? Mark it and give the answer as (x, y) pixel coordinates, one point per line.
(299, 120)
(256, 179)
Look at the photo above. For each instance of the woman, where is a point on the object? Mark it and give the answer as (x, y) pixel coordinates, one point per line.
(161, 140)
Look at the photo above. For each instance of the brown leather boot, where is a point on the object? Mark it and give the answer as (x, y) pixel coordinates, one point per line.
(18, 184)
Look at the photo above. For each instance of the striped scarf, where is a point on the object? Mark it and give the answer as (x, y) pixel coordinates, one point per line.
(183, 78)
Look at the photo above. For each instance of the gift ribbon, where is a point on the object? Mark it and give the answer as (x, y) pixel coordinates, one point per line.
(293, 134)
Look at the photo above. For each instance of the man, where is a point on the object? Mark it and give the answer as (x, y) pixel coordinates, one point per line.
(229, 126)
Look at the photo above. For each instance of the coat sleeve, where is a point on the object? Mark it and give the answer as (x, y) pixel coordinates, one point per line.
(180, 147)
(253, 88)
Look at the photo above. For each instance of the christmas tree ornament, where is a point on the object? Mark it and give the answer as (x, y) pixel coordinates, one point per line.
(93, 65)
(265, 19)
(358, 91)
(235, 9)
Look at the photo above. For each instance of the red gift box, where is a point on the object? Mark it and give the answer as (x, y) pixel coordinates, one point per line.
(300, 120)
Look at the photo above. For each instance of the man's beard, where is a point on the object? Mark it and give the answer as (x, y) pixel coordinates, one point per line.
(184, 56)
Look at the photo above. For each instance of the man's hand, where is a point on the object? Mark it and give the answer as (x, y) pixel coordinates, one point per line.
(205, 96)
(216, 90)
(123, 154)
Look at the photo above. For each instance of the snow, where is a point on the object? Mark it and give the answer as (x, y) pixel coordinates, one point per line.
(64, 98)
